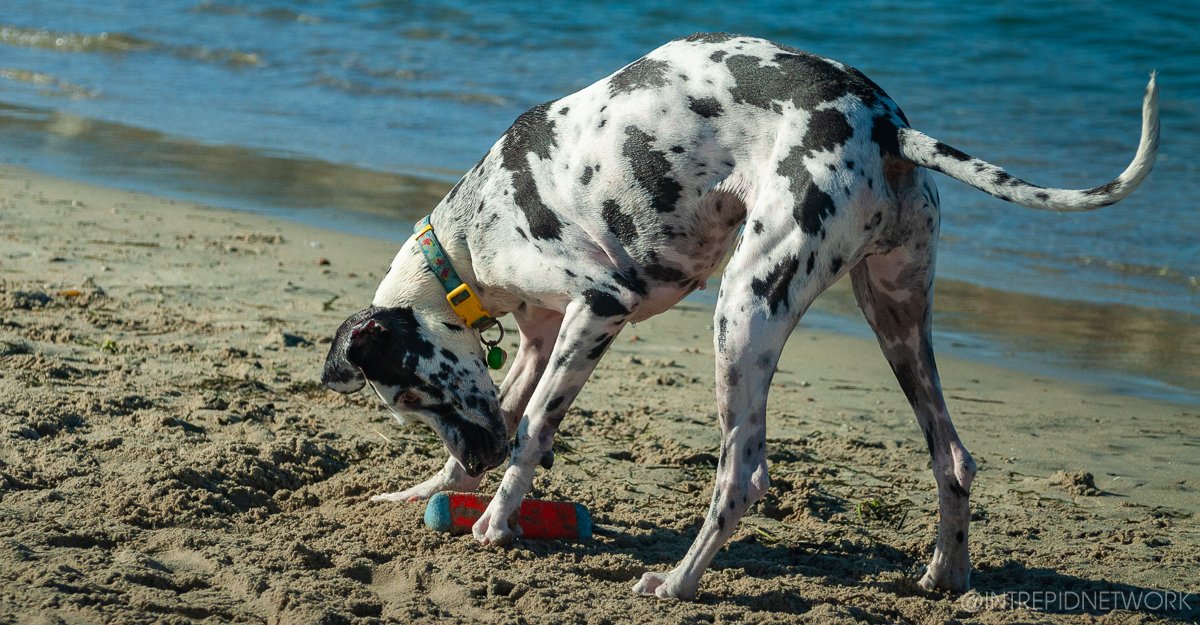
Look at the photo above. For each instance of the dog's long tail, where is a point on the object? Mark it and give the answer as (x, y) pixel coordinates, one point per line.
(928, 152)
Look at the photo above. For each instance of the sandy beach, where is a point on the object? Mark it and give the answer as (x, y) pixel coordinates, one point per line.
(167, 454)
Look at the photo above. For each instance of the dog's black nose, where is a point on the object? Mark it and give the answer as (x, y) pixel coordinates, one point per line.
(475, 467)
(477, 464)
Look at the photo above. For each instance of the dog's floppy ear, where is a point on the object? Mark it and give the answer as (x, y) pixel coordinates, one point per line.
(341, 374)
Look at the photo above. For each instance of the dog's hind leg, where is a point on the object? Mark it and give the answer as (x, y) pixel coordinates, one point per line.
(772, 278)
(895, 291)
(539, 328)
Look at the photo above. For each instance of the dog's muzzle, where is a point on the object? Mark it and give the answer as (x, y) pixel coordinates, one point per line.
(477, 464)
(480, 449)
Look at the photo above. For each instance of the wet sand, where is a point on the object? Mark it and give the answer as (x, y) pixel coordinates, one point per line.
(166, 454)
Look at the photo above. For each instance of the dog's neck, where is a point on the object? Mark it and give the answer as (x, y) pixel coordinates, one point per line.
(410, 282)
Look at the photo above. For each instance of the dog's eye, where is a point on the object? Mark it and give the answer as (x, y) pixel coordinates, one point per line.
(409, 399)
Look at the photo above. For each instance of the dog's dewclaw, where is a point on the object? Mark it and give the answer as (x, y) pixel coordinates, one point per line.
(457, 512)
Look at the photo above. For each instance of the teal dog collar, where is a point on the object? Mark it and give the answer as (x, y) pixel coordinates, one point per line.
(462, 299)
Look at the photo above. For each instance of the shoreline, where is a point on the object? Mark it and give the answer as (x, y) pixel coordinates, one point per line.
(167, 447)
(1150, 352)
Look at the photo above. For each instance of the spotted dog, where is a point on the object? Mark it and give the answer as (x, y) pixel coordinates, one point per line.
(608, 206)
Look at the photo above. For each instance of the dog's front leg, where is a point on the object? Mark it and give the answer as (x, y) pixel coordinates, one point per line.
(583, 338)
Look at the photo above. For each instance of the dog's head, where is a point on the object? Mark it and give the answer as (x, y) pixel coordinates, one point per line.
(433, 373)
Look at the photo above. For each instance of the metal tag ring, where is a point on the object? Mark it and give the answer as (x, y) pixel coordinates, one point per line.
(495, 342)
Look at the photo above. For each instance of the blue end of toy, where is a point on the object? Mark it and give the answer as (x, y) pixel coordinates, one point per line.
(583, 521)
(437, 513)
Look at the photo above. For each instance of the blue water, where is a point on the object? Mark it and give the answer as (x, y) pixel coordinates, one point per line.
(1049, 90)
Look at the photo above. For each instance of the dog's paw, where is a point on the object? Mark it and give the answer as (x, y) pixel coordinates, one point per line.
(952, 579)
(420, 492)
(400, 496)
(432, 486)
(665, 586)
(496, 528)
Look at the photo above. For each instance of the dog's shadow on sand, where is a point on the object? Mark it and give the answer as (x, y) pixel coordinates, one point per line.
(1012, 586)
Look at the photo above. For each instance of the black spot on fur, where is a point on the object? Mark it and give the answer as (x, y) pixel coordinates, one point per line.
(885, 135)
(1042, 195)
(587, 175)
(563, 110)
(532, 133)
(547, 460)
(604, 304)
(812, 261)
(598, 350)
(835, 266)
(705, 107)
(454, 191)
(1104, 189)
(758, 227)
(721, 523)
(543, 222)
(618, 222)
(959, 536)
(651, 168)
(643, 73)
(456, 328)
(774, 288)
(718, 56)
(522, 233)
(803, 79)
(709, 37)
(678, 149)
(827, 130)
(631, 281)
(569, 272)
(907, 377)
(554, 404)
(813, 205)
(663, 273)
(958, 490)
(944, 150)
(929, 440)
(812, 211)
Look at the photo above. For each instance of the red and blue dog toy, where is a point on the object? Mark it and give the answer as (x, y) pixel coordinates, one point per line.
(457, 512)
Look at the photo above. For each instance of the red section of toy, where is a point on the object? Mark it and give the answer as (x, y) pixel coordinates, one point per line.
(456, 513)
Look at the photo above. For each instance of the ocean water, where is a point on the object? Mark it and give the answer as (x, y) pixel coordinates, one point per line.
(360, 114)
